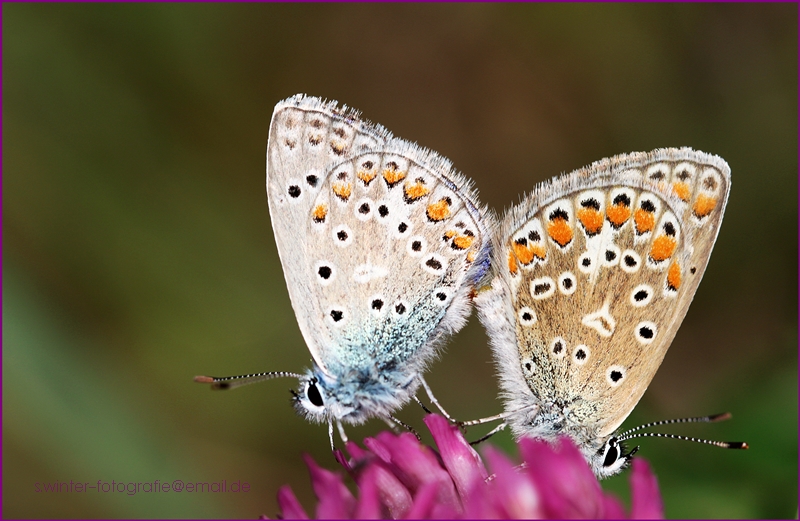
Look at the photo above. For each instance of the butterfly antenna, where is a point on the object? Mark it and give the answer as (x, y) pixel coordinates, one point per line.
(629, 434)
(712, 418)
(723, 444)
(229, 382)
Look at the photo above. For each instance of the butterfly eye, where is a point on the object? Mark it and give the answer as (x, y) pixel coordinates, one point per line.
(612, 455)
(313, 394)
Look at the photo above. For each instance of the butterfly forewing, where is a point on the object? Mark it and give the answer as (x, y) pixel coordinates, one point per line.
(382, 220)
(601, 266)
(306, 137)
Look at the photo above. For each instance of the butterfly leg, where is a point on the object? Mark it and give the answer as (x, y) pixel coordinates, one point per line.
(427, 411)
(409, 428)
(501, 416)
(433, 400)
(330, 435)
(391, 425)
(342, 434)
(490, 434)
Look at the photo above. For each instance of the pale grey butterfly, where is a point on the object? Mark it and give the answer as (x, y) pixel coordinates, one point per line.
(381, 243)
(593, 273)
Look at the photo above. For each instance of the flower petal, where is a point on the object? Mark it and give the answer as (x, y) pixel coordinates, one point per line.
(378, 448)
(357, 453)
(645, 497)
(341, 459)
(458, 456)
(394, 495)
(514, 491)
(290, 507)
(612, 508)
(369, 503)
(420, 465)
(335, 501)
(568, 487)
(424, 501)
(399, 477)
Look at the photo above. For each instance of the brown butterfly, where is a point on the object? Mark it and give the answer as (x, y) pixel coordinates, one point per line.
(593, 274)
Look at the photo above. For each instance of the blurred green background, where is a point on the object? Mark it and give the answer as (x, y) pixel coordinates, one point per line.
(138, 251)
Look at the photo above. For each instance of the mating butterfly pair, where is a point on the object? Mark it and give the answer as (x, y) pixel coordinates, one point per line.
(582, 286)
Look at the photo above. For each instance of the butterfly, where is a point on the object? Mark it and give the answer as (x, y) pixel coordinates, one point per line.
(593, 273)
(381, 243)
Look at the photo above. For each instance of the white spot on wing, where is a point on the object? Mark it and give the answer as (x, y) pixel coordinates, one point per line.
(527, 316)
(610, 256)
(641, 295)
(567, 283)
(441, 296)
(618, 372)
(342, 236)
(366, 272)
(630, 262)
(320, 267)
(581, 348)
(601, 321)
(417, 240)
(645, 332)
(542, 288)
(558, 351)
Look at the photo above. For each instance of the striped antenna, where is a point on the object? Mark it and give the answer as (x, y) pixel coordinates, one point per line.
(628, 435)
(230, 382)
(697, 419)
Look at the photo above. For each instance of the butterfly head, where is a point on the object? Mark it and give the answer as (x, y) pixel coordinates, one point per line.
(308, 399)
(606, 456)
(317, 398)
(610, 458)
(353, 395)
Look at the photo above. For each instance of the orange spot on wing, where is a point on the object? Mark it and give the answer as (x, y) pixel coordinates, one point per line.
(438, 211)
(366, 176)
(338, 148)
(591, 219)
(471, 255)
(450, 234)
(618, 214)
(342, 190)
(462, 242)
(523, 253)
(393, 177)
(674, 276)
(414, 191)
(645, 221)
(663, 247)
(512, 263)
(320, 212)
(681, 190)
(704, 205)
(527, 252)
(560, 231)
